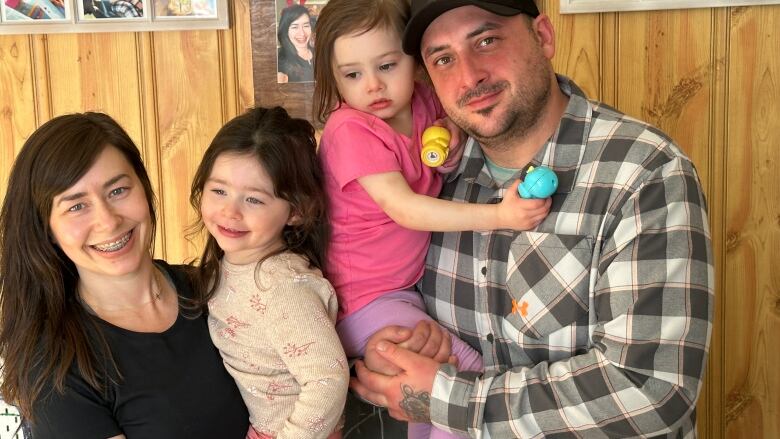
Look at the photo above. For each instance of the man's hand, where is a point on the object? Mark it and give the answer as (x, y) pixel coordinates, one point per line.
(407, 395)
(427, 338)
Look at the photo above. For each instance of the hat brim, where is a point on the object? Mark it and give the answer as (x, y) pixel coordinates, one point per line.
(423, 18)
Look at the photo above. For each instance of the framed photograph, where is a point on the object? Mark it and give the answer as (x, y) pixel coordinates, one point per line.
(74, 16)
(295, 24)
(575, 6)
(36, 11)
(270, 88)
(185, 9)
(111, 10)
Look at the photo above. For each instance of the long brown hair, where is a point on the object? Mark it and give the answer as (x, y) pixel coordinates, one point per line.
(286, 148)
(346, 17)
(288, 15)
(44, 330)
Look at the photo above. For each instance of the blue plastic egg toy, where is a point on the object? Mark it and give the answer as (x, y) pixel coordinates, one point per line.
(539, 182)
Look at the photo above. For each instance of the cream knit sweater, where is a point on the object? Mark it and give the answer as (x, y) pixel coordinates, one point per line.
(274, 326)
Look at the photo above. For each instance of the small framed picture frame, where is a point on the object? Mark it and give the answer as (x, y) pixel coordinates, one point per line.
(85, 16)
(36, 11)
(185, 9)
(91, 11)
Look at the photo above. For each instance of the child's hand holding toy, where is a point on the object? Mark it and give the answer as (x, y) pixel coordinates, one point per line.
(442, 147)
(539, 182)
(517, 213)
(526, 203)
(435, 146)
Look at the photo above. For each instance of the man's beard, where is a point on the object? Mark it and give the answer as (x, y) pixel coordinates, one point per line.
(523, 113)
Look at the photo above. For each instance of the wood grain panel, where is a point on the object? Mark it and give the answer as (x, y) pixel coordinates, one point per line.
(236, 62)
(242, 35)
(609, 49)
(150, 139)
(664, 70)
(666, 66)
(16, 89)
(40, 68)
(577, 46)
(752, 297)
(711, 401)
(95, 72)
(190, 110)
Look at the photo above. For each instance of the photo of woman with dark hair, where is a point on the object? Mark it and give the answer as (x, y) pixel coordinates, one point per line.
(295, 57)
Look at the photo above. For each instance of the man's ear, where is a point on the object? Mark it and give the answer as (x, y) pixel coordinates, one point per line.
(545, 33)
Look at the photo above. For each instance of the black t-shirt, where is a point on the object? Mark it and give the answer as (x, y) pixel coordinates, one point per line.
(174, 386)
(296, 68)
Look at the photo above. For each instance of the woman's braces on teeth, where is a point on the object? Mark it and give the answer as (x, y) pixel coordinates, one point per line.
(113, 246)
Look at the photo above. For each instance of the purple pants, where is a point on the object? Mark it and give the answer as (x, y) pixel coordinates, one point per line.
(402, 308)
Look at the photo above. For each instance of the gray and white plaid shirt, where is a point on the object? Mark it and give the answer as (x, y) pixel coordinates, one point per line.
(596, 324)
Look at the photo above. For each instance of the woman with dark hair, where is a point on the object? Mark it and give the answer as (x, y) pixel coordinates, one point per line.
(99, 340)
(296, 46)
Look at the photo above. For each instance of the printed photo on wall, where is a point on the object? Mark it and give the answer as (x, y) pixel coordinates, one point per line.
(296, 23)
(173, 9)
(36, 10)
(111, 9)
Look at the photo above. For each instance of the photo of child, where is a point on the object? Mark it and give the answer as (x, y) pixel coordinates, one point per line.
(21, 10)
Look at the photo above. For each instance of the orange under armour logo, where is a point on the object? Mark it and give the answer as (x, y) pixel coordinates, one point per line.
(523, 308)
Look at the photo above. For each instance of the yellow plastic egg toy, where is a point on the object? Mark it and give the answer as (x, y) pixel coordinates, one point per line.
(435, 146)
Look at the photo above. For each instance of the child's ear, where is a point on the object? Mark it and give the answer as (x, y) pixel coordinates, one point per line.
(294, 219)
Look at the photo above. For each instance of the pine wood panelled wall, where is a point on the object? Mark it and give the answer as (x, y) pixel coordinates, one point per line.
(709, 77)
(171, 91)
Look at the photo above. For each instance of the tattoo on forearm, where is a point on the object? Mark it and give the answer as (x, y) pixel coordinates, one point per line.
(417, 406)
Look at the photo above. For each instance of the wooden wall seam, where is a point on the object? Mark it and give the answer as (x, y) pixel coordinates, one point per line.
(150, 137)
(720, 56)
(223, 75)
(229, 59)
(608, 48)
(41, 78)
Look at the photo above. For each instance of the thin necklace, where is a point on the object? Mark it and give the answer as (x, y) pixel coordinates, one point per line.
(156, 295)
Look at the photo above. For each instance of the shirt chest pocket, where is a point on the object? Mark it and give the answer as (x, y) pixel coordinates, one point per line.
(547, 277)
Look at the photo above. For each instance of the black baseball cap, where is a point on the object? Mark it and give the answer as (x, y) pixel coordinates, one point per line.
(425, 11)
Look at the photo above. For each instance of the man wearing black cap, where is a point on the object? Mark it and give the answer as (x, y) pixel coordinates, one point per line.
(597, 323)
